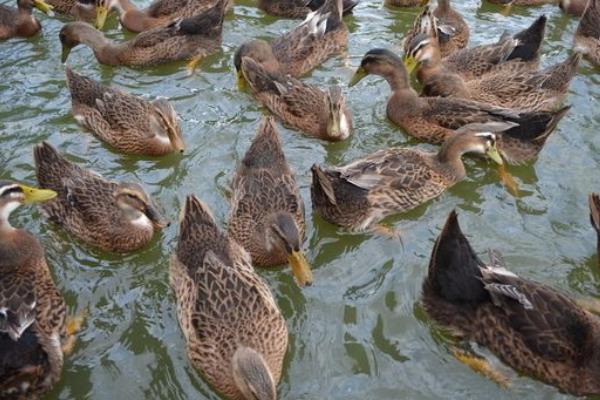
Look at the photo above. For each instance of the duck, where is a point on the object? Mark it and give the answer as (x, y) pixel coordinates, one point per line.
(406, 3)
(267, 211)
(299, 9)
(359, 195)
(20, 21)
(184, 39)
(595, 217)
(320, 114)
(113, 217)
(523, 2)
(587, 35)
(32, 310)
(433, 119)
(321, 35)
(236, 336)
(128, 123)
(511, 54)
(530, 326)
(574, 8)
(159, 13)
(451, 30)
(532, 90)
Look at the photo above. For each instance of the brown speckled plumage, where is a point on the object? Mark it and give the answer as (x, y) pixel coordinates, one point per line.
(223, 305)
(299, 105)
(521, 52)
(126, 122)
(531, 90)
(87, 205)
(435, 118)
(405, 3)
(33, 324)
(181, 40)
(445, 23)
(303, 48)
(587, 36)
(263, 188)
(531, 327)
(299, 9)
(395, 180)
(523, 2)
(160, 12)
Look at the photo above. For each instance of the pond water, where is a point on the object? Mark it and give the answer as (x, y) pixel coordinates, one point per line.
(358, 332)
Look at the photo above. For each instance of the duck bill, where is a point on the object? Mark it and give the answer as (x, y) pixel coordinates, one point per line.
(43, 7)
(154, 216)
(300, 268)
(494, 155)
(410, 63)
(66, 50)
(175, 138)
(101, 15)
(358, 75)
(241, 81)
(35, 195)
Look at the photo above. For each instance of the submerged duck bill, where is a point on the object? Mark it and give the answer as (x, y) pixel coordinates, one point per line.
(154, 216)
(410, 63)
(494, 155)
(43, 7)
(35, 195)
(66, 50)
(300, 268)
(241, 81)
(358, 75)
(101, 15)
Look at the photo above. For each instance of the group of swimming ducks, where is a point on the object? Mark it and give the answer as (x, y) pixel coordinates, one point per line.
(490, 100)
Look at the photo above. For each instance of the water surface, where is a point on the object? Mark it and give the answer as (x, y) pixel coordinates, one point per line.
(358, 332)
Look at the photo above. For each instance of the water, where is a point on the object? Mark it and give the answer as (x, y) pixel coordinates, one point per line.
(358, 332)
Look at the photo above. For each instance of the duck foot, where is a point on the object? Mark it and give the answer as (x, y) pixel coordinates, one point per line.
(388, 232)
(72, 326)
(508, 181)
(192, 65)
(589, 304)
(481, 366)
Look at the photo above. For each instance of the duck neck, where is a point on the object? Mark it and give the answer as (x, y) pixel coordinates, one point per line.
(396, 77)
(443, 6)
(93, 38)
(131, 17)
(5, 212)
(450, 156)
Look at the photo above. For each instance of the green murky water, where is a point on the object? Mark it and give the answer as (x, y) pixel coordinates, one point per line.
(358, 333)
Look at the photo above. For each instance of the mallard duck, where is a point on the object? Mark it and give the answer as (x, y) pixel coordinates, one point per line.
(452, 31)
(530, 326)
(128, 123)
(395, 180)
(433, 119)
(191, 38)
(32, 311)
(532, 90)
(116, 217)
(235, 333)
(20, 21)
(511, 54)
(406, 3)
(523, 2)
(159, 13)
(301, 106)
(595, 217)
(573, 7)
(587, 36)
(83, 10)
(299, 9)
(267, 212)
(319, 36)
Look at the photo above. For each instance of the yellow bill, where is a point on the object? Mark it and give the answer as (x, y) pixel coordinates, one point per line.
(66, 50)
(101, 15)
(34, 195)
(43, 7)
(410, 63)
(358, 75)
(494, 155)
(300, 268)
